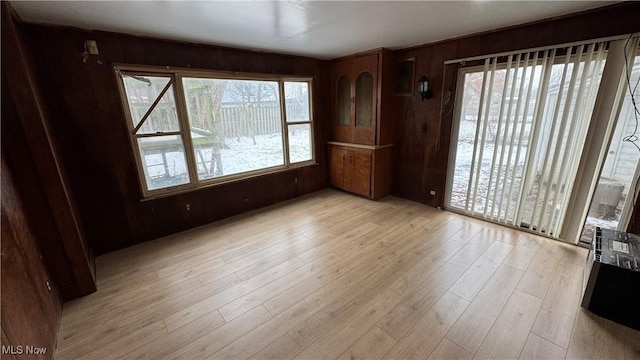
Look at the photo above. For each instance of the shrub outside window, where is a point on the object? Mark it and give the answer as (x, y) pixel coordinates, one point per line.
(192, 129)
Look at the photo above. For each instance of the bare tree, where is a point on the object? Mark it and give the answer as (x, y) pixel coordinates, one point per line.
(204, 98)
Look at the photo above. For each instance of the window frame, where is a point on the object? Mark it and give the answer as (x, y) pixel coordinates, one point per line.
(176, 75)
(286, 123)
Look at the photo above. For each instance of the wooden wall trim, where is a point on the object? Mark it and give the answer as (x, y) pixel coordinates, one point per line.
(18, 74)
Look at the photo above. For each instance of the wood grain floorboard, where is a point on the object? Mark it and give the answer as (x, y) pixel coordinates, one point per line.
(472, 281)
(423, 337)
(448, 350)
(474, 324)
(335, 276)
(372, 345)
(509, 333)
(539, 348)
(397, 322)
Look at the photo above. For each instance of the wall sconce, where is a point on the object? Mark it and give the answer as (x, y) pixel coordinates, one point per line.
(423, 88)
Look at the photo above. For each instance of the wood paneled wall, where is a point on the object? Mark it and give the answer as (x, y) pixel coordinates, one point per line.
(31, 306)
(88, 121)
(31, 154)
(421, 158)
(35, 265)
(18, 157)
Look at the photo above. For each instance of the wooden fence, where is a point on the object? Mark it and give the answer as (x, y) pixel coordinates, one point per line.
(230, 121)
(237, 122)
(240, 121)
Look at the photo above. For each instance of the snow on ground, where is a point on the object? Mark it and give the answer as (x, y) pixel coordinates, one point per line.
(485, 193)
(237, 155)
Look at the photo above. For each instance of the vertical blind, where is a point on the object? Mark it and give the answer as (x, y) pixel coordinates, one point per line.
(522, 124)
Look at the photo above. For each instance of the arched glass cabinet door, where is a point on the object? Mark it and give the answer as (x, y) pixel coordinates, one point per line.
(364, 100)
(344, 101)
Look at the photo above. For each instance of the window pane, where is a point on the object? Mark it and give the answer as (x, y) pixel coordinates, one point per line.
(296, 95)
(164, 162)
(300, 143)
(344, 101)
(142, 92)
(235, 125)
(364, 99)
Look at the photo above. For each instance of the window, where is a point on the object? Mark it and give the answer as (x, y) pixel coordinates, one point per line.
(298, 121)
(195, 128)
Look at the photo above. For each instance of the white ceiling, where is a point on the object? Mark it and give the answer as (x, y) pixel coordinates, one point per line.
(322, 29)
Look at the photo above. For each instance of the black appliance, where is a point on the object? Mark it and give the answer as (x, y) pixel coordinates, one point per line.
(611, 285)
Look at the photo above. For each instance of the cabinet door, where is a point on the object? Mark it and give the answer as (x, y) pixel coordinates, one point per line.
(365, 99)
(342, 101)
(337, 167)
(350, 169)
(360, 172)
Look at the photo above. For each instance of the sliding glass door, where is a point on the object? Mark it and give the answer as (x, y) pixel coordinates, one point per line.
(521, 124)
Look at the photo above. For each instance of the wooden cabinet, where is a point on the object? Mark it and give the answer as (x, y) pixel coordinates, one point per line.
(361, 127)
(361, 169)
(351, 169)
(361, 98)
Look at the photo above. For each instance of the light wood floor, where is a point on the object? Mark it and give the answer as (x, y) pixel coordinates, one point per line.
(334, 276)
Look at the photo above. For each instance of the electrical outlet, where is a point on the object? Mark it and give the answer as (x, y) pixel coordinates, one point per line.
(187, 206)
(432, 192)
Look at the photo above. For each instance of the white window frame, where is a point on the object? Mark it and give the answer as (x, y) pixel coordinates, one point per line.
(176, 75)
(286, 123)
